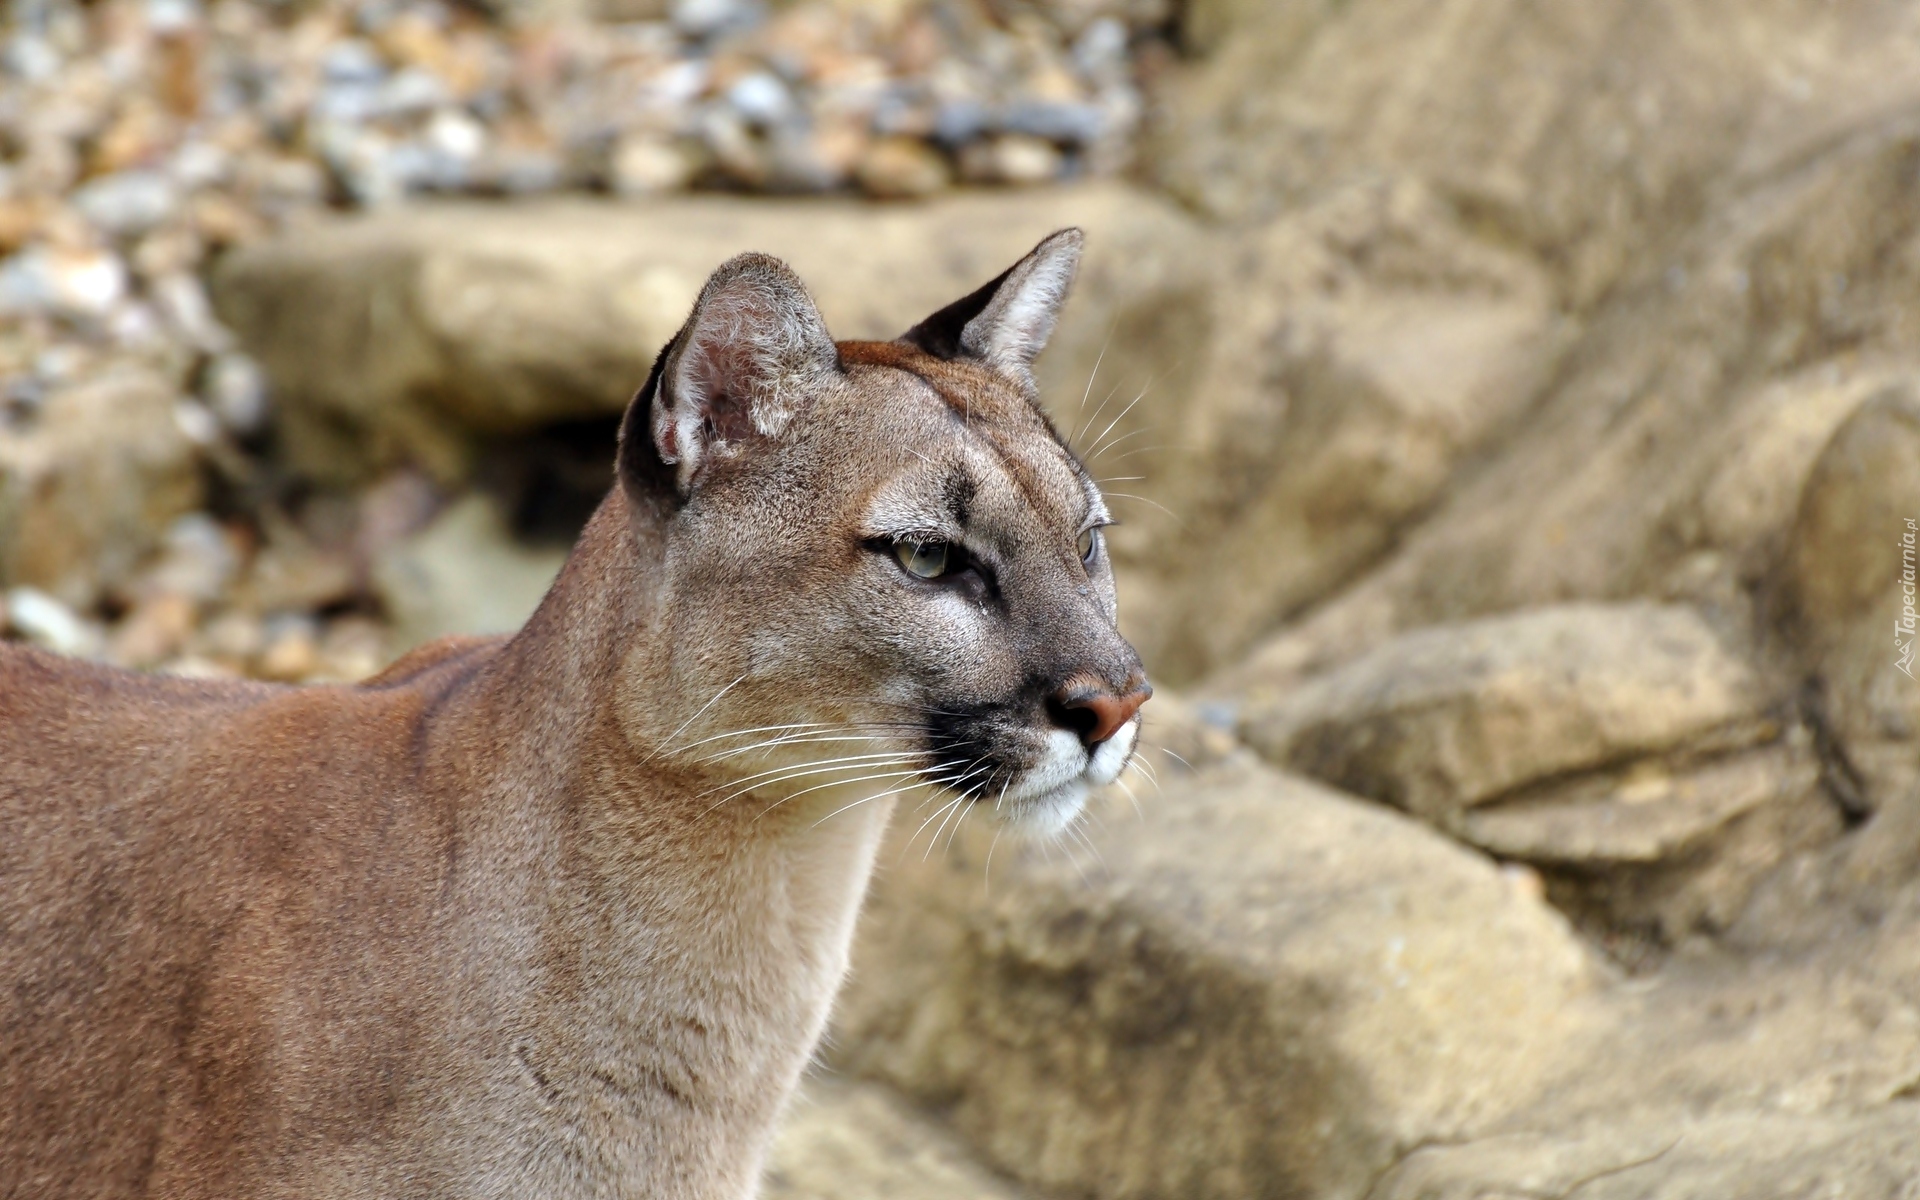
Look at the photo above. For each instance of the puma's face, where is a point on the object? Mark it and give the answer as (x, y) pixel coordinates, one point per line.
(886, 568)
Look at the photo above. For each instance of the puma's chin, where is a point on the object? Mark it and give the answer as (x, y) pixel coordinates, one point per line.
(1046, 798)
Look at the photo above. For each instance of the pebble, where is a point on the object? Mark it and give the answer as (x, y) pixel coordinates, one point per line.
(235, 389)
(128, 202)
(49, 624)
(903, 168)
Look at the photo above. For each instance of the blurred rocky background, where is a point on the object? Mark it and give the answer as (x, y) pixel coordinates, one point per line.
(1514, 411)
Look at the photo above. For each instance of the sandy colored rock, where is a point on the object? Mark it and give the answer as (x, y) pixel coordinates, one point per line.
(844, 1140)
(1647, 813)
(89, 488)
(1258, 987)
(1659, 851)
(1851, 570)
(1585, 132)
(1757, 1155)
(1443, 719)
(464, 573)
(408, 335)
(1668, 457)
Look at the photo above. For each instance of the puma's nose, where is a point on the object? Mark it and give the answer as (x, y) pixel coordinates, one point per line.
(1093, 711)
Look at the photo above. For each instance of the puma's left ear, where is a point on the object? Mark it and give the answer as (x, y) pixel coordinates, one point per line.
(1006, 323)
(754, 350)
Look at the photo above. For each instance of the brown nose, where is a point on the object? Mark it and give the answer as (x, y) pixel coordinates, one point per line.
(1095, 713)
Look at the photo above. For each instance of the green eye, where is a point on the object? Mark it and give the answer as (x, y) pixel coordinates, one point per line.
(928, 560)
(1089, 541)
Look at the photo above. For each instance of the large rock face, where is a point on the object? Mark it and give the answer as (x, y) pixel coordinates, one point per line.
(1448, 718)
(1258, 988)
(1586, 132)
(1853, 575)
(1622, 750)
(410, 335)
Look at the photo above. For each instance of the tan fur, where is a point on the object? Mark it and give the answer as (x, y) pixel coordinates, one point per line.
(554, 915)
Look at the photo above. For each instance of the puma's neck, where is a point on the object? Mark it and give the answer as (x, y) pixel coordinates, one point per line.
(679, 953)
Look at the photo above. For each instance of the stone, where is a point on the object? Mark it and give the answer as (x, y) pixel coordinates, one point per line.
(1444, 719)
(49, 624)
(76, 283)
(1289, 101)
(495, 322)
(155, 631)
(643, 165)
(842, 1140)
(1668, 455)
(462, 574)
(902, 168)
(1657, 852)
(128, 202)
(90, 487)
(1011, 158)
(292, 653)
(1258, 987)
(1850, 568)
(1753, 1154)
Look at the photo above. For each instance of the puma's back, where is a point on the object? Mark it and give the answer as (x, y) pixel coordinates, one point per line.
(172, 849)
(563, 914)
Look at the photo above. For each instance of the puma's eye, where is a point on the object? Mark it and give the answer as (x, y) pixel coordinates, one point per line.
(1089, 542)
(928, 560)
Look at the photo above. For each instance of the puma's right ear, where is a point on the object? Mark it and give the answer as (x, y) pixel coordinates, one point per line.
(1006, 323)
(736, 374)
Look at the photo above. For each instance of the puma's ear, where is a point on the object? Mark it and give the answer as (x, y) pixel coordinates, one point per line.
(737, 372)
(1006, 323)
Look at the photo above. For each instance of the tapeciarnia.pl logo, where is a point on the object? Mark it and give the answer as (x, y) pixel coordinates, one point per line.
(1903, 625)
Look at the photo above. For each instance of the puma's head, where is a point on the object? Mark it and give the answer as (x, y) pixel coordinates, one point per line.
(878, 563)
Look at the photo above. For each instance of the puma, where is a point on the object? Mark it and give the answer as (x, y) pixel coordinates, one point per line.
(563, 914)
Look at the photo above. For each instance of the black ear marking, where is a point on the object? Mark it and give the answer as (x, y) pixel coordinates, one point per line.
(750, 357)
(645, 478)
(939, 334)
(1005, 323)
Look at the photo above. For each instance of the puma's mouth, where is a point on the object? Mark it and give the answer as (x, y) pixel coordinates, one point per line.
(1044, 798)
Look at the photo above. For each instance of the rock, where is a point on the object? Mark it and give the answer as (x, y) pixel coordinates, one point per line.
(129, 202)
(49, 624)
(1668, 456)
(1011, 158)
(1260, 987)
(1654, 853)
(494, 321)
(643, 165)
(292, 653)
(290, 574)
(1761, 1155)
(73, 283)
(464, 573)
(1639, 815)
(1850, 572)
(1444, 719)
(155, 631)
(198, 560)
(236, 391)
(1526, 113)
(902, 168)
(1180, 737)
(91, 486)
(857, 1141)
